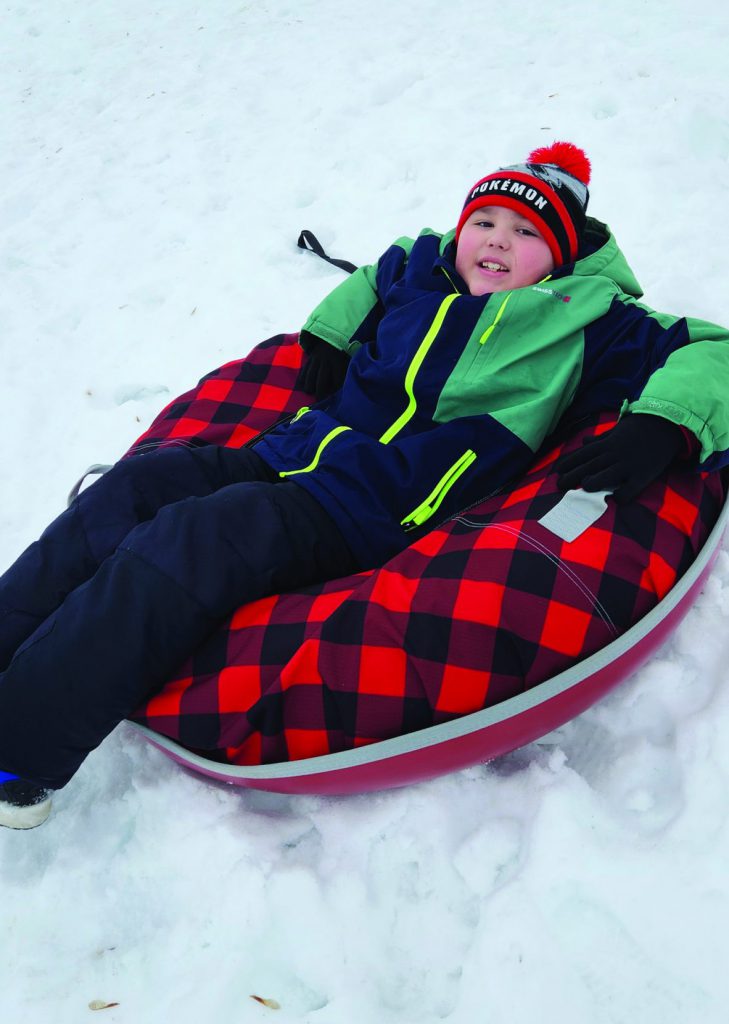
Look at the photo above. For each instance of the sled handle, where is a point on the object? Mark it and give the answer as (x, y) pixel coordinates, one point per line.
(96, 470)
(310, 243)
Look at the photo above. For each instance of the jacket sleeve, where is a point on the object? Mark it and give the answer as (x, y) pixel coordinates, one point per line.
(691, 388)
(350, 314)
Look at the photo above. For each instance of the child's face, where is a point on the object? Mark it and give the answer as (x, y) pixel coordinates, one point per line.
(499, 249)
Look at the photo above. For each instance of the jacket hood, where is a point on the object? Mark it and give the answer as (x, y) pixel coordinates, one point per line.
(602, 257)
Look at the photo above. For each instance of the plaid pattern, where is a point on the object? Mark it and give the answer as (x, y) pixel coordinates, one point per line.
(485, 605)
(234, 403)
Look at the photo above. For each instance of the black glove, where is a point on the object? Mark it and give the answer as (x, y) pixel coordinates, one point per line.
(625, 460)
(324, 367)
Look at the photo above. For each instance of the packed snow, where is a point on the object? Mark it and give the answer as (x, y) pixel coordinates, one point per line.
(158, 162)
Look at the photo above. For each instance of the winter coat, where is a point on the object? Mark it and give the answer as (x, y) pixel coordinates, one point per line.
(448, 396)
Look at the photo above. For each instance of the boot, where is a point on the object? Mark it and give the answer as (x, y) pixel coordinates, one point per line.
(23, 804)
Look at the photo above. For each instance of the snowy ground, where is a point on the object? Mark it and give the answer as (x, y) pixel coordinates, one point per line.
(157, 164)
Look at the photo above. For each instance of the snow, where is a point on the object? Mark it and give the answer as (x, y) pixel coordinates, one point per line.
(158, 162)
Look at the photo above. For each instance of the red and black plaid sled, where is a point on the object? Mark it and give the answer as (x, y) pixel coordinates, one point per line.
(480, 637)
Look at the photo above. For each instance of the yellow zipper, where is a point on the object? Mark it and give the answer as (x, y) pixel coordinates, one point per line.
(412, 405)
(431, 504)
(414, 367)
(489, 330)
(300, 413)
(451, 281)
(315, 461)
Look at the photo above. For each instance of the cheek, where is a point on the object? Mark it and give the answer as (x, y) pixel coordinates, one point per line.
(547, 260)
(464, 254)
(459, 261)
(540, 261)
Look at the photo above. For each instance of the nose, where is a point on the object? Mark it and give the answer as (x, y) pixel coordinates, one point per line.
(498, 239)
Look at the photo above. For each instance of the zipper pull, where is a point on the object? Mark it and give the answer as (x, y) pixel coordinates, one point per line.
(418, 517)
(434, 500)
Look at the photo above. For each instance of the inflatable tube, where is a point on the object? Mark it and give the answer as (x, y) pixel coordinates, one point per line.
(480, 638)
(478, 737)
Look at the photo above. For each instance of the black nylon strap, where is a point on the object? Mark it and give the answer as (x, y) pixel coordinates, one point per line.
(309, 241)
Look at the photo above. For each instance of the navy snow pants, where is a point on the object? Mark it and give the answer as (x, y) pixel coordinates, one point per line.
(97, 614)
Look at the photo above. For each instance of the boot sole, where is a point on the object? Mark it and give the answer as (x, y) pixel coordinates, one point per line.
(31, 816)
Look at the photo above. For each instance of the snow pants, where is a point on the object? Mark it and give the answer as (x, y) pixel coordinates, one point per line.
(98, 613)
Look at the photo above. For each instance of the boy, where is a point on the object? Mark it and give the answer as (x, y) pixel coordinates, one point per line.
(441, 370)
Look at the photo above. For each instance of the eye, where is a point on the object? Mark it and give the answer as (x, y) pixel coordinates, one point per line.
(484, 223)
(528, 231)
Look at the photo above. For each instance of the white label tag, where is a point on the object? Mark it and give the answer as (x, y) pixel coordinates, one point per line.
(574, 513)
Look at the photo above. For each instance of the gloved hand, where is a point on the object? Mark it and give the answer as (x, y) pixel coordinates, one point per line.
(624, 460)
(324, 367)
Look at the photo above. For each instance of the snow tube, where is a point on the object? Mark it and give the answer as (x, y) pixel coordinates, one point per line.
(481, 637)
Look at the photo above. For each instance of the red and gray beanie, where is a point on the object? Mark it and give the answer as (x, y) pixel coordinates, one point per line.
(550, 190)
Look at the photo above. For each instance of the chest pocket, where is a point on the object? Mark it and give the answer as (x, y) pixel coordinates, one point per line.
(522, 369)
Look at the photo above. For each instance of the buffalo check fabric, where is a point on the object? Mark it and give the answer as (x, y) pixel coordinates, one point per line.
(486, 605)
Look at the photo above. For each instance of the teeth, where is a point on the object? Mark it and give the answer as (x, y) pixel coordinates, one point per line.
(488, 265)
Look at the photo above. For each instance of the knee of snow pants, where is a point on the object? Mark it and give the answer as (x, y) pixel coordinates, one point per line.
(71, 549)
(135, 489)
(244, 541)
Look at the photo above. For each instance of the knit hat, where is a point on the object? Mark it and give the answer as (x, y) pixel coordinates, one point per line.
(550, 190)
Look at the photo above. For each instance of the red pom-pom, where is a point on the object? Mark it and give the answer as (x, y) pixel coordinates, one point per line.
(565, 155)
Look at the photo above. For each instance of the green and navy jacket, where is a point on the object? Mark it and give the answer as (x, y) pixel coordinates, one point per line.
(448, 395)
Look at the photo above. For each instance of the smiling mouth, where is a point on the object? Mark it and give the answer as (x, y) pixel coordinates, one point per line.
(490, 265)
